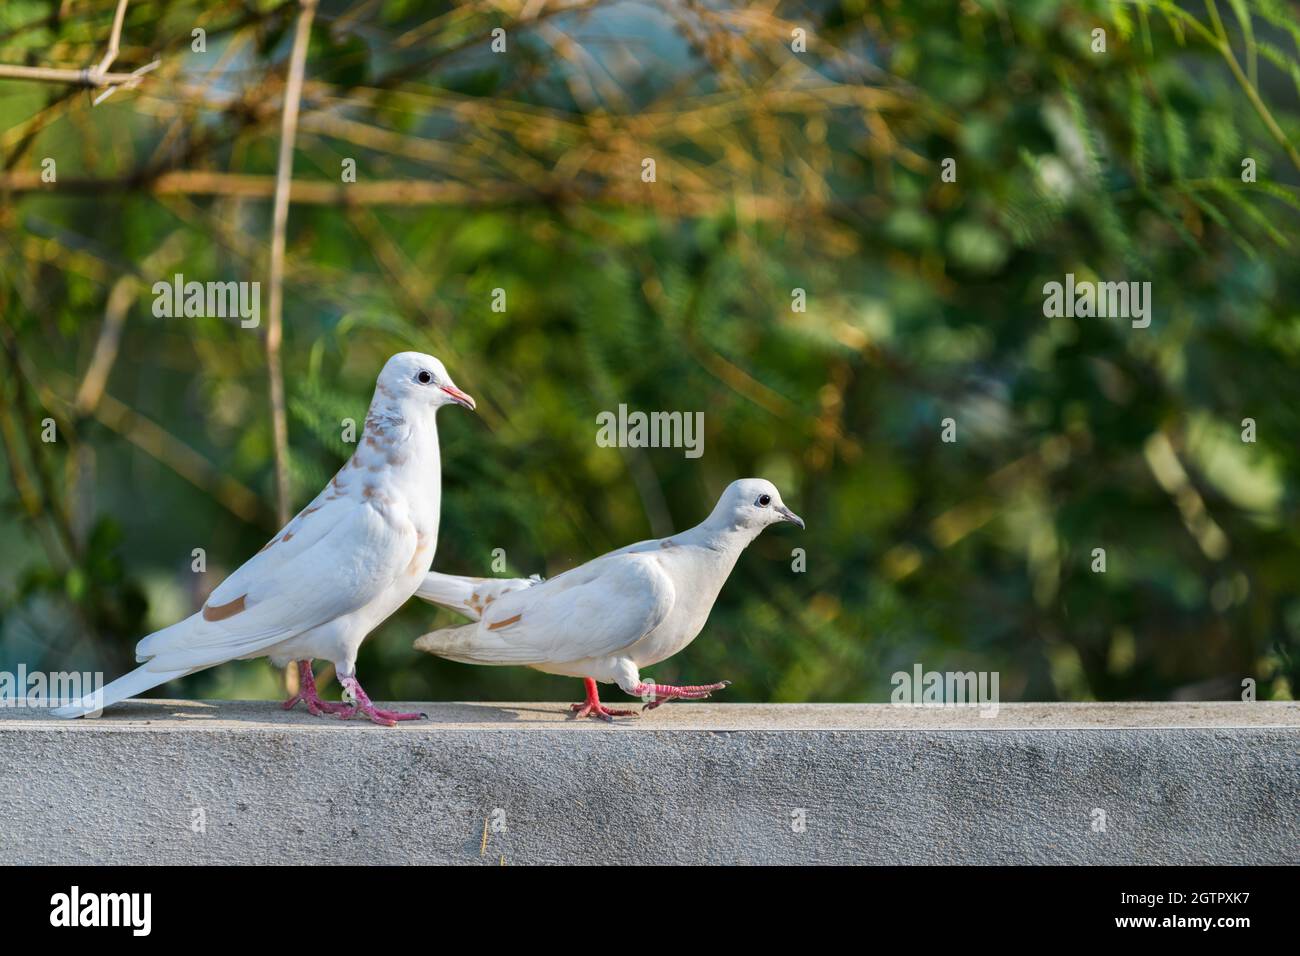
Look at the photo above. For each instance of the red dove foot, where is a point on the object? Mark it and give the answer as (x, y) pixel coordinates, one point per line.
(663, 693)
(363, 705)
(594, 708)
(308, 695)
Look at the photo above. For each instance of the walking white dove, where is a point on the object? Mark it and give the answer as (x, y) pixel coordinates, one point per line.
(336, 570)
(606, 619)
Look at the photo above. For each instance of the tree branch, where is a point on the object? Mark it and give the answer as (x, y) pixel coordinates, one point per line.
(71, 75)
(160, 444)
(114, 38)
(412, 192)
(279, 219)
(96, 76)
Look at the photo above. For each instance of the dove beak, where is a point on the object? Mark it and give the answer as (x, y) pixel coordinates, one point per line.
(459, 397)
(788, 515)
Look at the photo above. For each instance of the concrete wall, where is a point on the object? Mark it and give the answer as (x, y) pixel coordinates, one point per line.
(244, 782)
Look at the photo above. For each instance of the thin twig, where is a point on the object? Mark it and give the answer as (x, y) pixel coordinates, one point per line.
(70, 75)
(120, 298)
(160, 444)
(279, 219)
(1252, 94)
(413, 192)
(54, 509)
(96, 76)
(29, 497)
(165, 448)
(114, 38)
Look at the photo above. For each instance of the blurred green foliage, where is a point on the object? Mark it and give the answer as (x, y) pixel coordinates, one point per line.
(776, 171)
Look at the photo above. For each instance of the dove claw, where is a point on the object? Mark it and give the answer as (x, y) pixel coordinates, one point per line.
(308, 694)
(363, 705)
(662, 693)
(599, 711)
(594, 708)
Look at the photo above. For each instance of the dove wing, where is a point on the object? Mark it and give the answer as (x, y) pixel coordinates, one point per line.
(341, 559)
(594, 610)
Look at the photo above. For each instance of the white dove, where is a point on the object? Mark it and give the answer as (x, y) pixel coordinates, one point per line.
(606, 619)
(336, 570)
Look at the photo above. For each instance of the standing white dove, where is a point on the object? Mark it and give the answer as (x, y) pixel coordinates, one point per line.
(606, 619)
(340, 567)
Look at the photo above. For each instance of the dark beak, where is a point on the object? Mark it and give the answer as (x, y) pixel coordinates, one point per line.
(789, 515)
(459, 397)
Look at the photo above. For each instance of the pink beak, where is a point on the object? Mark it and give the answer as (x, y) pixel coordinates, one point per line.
(459, 397)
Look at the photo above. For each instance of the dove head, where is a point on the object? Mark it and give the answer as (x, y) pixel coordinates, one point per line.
(750, 504)
(413, 384)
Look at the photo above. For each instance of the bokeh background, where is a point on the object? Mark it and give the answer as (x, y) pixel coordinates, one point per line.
(775, 171)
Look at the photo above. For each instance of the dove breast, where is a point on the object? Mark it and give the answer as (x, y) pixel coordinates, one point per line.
(698, 574)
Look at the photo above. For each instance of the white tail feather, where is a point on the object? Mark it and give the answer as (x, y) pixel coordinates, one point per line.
(467, 644)
(128, 685)
(468, 596)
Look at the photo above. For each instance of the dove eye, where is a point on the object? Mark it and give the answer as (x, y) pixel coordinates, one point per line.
(764, 500)
(423, 377)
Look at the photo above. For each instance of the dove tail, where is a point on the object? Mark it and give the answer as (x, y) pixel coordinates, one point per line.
(448, 642)
(128, 685)
(468, 596)
(461, 644)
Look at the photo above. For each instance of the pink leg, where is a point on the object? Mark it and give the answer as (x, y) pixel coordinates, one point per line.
(663, 693)
(388, 718)
(594, 708)
(308, 695)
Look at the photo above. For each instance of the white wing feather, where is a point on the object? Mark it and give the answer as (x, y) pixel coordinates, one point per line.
(594, 610)
(345, 558)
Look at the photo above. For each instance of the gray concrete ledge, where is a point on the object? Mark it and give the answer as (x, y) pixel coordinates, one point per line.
(245, 782)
